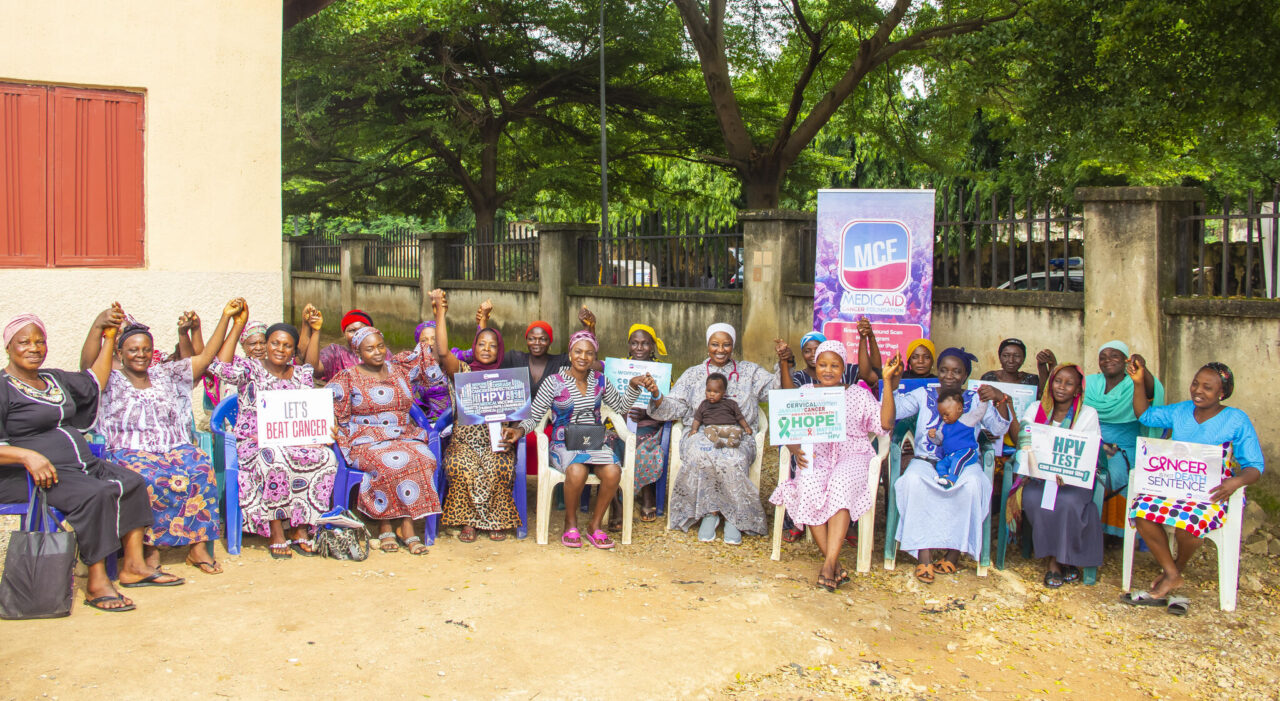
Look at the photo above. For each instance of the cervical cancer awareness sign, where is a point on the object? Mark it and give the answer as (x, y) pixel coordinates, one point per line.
(1176, 469)
(874, 259)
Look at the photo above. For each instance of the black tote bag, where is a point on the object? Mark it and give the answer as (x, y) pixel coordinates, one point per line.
(38, 579)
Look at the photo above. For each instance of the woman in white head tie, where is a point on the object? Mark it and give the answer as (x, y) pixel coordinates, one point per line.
(713, 481)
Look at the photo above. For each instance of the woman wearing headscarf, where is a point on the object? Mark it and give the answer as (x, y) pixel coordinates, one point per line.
(1069, 534)
(827, 495)
(642, 344)
(42, 414)
(867, 367)
(573, 397)
(337, 357)
(289, 487)
(936, 523)
(371, 403)
(1201, 419)
(431, 392)
(480, 480)
(1110, 393)
(145, 417)
(714, 479)
(919, 357)
(1012, 353)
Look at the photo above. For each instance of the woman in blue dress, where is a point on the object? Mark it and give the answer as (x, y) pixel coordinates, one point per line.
(1201, 419)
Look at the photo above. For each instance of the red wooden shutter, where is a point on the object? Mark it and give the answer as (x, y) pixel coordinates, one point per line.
(24, 167)
(97, 178)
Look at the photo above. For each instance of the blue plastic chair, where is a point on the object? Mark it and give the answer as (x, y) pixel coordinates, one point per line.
(348, 478)
(220, 424)
(903, 431)
(1089, 575)
(520, 481)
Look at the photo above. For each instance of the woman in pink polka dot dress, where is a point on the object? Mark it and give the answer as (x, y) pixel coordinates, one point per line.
(829, 494)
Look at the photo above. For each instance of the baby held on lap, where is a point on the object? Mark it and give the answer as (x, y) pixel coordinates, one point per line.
(954, 434)
(719, 417)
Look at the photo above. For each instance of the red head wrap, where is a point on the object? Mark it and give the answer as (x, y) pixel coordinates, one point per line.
(540, 325)
(353, 316)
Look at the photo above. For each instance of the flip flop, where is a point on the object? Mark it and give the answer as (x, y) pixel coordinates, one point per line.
(648, 515)
(1071, 574)
(844, 577)
(98, 604)
(1142, 598)
(280, 551)
(497, 536)
(150, 581)
(571, 538)
(601, 540)
(827, 583)
(207, 567)
(791, 535)
(296, 546)
(1178, 605)
(467, 534)
(1053, 580)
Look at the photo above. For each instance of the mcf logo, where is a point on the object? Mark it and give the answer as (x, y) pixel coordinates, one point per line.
(875, 255)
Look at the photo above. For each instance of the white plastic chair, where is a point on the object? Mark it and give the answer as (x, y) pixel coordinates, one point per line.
(549, 478)
(866, 521)
(1226, 540)
(673, 465)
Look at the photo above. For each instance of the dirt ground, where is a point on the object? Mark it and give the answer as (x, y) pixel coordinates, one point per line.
(664, 617)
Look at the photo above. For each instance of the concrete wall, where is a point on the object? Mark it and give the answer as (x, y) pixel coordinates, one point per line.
(210, 73)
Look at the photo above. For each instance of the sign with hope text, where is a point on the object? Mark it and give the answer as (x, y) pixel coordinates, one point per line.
(806, 415)
(874, 258)
(1176, 469)
(619, 371)
(492, 396)
(1061, 452)
(1023, 397)
(294, 417)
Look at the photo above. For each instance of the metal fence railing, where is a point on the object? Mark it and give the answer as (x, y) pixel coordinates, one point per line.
(808, 252)
(502, 253)
(1003, 243)
(1230, 250)
(395, 255)
(663, 249)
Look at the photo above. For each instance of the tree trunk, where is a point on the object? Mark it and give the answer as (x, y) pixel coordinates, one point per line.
(761, 182)
(485, 262)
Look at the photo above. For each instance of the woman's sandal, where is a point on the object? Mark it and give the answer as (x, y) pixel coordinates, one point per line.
(791, 535)
(1178, 605)
(98, 604)
(924, 573)
(827, 583)
(1142, 598)
(945, 567)
(413, 544)
(601, 540)
(209, 567)
(1070, 574)
(151, 580)
(309, 551)
(467, 534)
(571, 538)
(387, 542)
(497, 536)
(844, 577)
(1052, 579)
(280, 551)
(648, 514)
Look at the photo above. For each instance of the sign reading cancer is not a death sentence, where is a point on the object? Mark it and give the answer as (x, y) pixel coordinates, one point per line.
(489, 396)
(1061, 452)
(619, 371)
(1176, 469)
(806, 415)
(294, 417)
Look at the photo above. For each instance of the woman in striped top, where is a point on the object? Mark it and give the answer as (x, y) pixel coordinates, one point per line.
(573, 396)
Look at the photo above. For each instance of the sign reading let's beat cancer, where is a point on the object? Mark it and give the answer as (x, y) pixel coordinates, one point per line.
(874, 259)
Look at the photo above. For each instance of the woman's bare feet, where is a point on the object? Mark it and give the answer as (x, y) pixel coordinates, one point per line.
(1166, 584)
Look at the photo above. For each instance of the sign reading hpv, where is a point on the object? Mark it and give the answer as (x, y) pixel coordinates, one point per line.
(1060, 452)
(806, 415)
(874, 259)
(294, 417)
(1176, 469)
(492, 396)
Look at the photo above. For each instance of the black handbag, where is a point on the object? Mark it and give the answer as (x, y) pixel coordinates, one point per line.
(583, 437)
(38, 579)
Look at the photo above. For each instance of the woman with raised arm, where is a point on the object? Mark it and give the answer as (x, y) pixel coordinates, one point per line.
(573, 396)
(289, 487)
(145, 416)
(480, 480)
(337, 357)
(938, 522)
(371, 403)
(714, 480)
(42, 414)
(651, 461)
(1201, 419)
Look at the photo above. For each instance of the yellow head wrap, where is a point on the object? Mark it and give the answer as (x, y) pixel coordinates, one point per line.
(657, 342)
(911, 348)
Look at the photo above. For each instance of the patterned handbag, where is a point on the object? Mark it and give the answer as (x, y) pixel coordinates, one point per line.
(344, 542)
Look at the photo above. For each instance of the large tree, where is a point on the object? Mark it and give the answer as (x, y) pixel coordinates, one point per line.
(778, 71)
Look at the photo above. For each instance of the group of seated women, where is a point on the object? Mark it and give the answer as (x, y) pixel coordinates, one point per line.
(153, 489)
